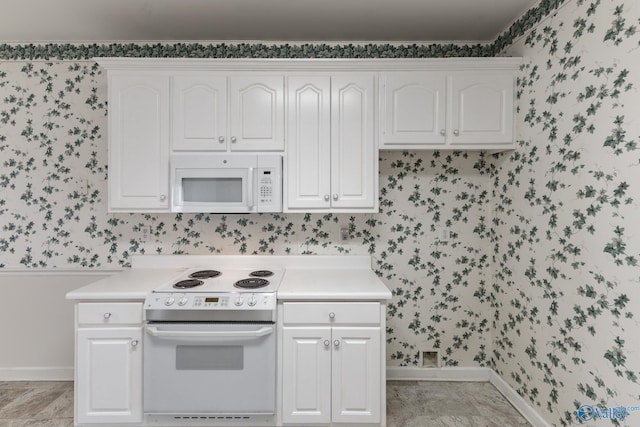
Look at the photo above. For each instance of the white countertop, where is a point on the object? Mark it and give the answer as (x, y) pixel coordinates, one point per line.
(134, 284)
(307, 277)
(332, 284)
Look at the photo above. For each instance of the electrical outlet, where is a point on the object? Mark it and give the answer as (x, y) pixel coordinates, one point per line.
(444, 234)
(146, 233)
(344, 233)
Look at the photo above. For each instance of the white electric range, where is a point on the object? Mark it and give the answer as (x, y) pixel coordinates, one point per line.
(210, 347)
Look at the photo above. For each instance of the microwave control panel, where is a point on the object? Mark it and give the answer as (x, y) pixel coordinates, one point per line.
(266, 186)
(268, 183)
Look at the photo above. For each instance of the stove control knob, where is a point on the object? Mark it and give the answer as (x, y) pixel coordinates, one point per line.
(252, 300)
(168, 301)
(239, 301)
(182, 301)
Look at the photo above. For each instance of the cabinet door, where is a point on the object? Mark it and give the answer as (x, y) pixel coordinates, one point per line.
(306, 376)
(308, 165)
(199, 112)
(482, 105)
(257, 113)
(356, 375)
(109, 380)
(138, 142)
(353, 148)
(413, 109)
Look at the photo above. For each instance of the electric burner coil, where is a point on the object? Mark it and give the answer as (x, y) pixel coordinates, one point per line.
(251, 283)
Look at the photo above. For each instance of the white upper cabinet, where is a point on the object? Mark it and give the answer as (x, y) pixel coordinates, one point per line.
(217, 112)
(199, 112)
(256, 113)
(331, 150)
(138, 142)
(308, 164)
(447, 109)
(482, 108)
(353, 148)
(328, 118)
(414, 108)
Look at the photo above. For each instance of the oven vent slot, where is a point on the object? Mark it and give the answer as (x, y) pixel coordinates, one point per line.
(218, 417)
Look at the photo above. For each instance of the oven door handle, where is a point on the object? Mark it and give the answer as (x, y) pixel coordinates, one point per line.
(152, 330)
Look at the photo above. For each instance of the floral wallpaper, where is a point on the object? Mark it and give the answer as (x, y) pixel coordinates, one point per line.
(539, 277)
(566, 296)
(53, 207)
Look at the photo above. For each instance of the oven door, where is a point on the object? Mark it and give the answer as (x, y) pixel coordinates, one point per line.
(209, 368)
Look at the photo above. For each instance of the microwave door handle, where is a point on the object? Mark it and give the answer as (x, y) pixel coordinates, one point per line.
(250, 190)
(152, 330)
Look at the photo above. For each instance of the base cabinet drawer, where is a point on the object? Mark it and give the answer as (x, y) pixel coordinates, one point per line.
(98, 313)
(338, 313)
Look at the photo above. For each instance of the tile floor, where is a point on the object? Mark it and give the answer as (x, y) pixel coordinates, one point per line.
(449, 404)
(409, 404)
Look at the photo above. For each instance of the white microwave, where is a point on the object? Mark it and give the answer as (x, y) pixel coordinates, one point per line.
(226, 183)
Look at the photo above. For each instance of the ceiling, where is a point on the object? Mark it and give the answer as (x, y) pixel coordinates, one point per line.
(44, 21)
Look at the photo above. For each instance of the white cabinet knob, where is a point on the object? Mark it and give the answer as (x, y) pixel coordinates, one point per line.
(326, 197)
(221, 139)
(332, 315)
(335, 196)
(326, 343)
(456, 132)
(336, 343)
(107, 316)
(443, 132)
(134, 343)
(163, 197)
(233, 139)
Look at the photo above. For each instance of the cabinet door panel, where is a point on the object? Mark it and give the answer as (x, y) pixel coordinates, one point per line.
(353, 154)
(413, 109)
(306, 388)
(482, 108)
(257, 113)
(199, 113)
(139, 142)
(356, 375)
(308, 142)
(109, 388)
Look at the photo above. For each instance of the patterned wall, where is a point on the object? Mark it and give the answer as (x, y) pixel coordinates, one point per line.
(53, 204)
(567, 238)
(555, 220)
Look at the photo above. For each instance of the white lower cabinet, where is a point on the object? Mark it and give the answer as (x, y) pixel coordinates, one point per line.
(332, 373)
(108, 364)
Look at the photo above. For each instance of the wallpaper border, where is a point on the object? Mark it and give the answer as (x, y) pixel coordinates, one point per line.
(53, 51)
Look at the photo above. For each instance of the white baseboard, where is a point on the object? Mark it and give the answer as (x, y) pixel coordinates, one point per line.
(36, 374)
(437, 374)
(469, 374)
(517, 401)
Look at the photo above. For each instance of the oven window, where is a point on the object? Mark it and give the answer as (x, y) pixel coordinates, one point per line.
(209, 357)
(212, 190)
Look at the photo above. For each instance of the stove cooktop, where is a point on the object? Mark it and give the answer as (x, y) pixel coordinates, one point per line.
(219, 280)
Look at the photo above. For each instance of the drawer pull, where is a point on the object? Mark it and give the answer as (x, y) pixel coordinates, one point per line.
(332, 315)
(134, 343)
(107, 316)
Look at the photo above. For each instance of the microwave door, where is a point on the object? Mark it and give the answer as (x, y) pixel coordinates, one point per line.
(214, 190)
